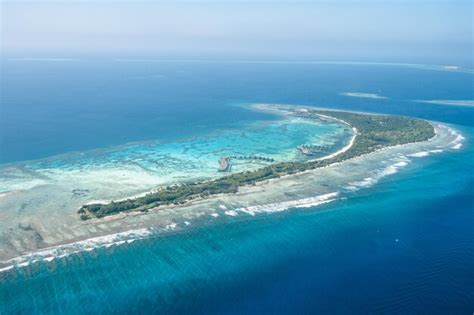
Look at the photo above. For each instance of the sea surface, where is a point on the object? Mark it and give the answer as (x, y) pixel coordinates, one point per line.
(403, 245)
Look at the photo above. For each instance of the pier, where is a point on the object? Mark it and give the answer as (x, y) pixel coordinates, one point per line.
(312, 149)
(225, 165)
(253, 157)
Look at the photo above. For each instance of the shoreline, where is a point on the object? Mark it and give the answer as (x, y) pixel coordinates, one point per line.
(272, 110)
(169, 225)
(377, 131)
(48, 254)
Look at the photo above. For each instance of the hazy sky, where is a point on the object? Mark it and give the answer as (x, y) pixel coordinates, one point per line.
(330, 30)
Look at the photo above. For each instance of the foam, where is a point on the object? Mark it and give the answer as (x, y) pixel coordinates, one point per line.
(285, 205)
(419, 154)
(425, 153)
(457, 143)
(61, 251)
(231, 213)
(6, 268)
(171, 226)
(401, 162)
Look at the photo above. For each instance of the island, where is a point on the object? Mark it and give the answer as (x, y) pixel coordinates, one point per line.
(371, 132)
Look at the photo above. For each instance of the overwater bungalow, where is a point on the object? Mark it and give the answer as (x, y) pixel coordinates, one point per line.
(224, 164)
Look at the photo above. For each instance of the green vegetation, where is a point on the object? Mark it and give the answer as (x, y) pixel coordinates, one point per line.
(374, 132)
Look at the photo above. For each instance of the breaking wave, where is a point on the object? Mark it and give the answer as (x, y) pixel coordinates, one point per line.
(396, 163)
(60, 251)
(425, 153)
(285, 205)
(376, 175)
(457, 143)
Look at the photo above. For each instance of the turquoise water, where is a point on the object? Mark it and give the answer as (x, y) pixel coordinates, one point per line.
(274, 139)
(56, 187)
(404, 245)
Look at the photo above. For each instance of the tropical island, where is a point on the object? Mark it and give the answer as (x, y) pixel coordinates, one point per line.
(371, 132)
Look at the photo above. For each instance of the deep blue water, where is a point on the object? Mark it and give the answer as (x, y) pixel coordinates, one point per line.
(55, 107)
(405, 245)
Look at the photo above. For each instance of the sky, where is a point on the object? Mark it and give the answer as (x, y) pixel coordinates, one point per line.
(408, 31)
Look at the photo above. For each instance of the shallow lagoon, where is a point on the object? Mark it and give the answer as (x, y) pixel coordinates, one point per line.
(40, 198)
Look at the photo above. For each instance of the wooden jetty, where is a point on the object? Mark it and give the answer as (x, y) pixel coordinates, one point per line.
(225, 165)
(312, 149)
(254, 157)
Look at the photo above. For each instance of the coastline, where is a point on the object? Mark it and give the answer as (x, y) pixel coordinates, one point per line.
(163, 223)
(377, 131)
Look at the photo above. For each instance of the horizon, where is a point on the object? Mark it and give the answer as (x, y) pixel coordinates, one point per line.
(431, 32)
(236, 157)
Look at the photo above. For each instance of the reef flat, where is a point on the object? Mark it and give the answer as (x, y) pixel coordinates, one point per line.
(47, 232)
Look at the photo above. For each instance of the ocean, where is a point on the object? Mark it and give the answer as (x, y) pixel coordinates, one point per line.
(402, 245)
